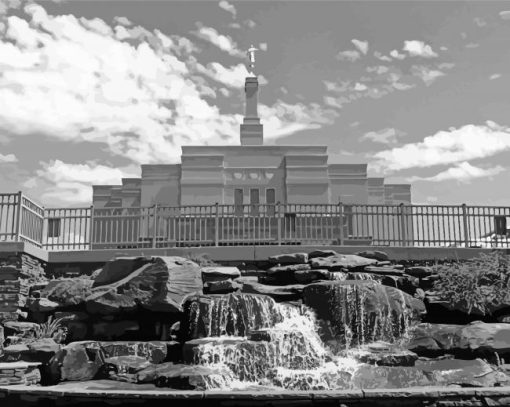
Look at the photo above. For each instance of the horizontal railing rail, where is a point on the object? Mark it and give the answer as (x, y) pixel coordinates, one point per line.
(86, 228)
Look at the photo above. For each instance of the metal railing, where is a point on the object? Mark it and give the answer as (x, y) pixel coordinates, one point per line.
(21, 219)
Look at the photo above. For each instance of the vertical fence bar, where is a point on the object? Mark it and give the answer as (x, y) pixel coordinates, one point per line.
(403, 231)
(154, 226)
(216, 225)
(19, 207)
(465, 224)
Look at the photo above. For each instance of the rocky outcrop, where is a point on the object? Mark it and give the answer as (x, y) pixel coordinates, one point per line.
(477, 339)
(358, 312)
(374, 254)
(219, 273)
(221, 287)
(290, 292)
(24, 373)
(160, 284)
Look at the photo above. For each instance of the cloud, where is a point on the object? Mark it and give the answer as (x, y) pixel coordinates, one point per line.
(360, 87)
(361, 45)
(505, 15)
(495, 76)
(382, 57)
(419, 49)
(71, 183)
(349, 55)
(462, 172)
(384, 136)
(427, 75)
(223, 42)
(9, 158)
(263, 46)
(140, 96)
(250, 23)
(480, 22)
(233, 77)
(225, 5)
(397, 55)
(446, 147)
(122, 21)
(472, 45)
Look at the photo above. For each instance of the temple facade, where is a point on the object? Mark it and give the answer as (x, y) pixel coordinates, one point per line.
(251, 173)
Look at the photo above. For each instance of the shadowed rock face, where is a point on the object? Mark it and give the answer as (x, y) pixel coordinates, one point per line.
(232, 314)
(360, 312)
(159, 284)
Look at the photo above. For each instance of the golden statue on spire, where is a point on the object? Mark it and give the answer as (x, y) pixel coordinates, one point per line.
(251, 55)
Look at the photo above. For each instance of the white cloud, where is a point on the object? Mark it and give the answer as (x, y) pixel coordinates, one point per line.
(472, 45)
(225, 5)
(427, 75)
(419, 49)
(462, 172)
(223, 42)
(382, 57)
(71, 183)
(480, 22)
(397, 55)
(361, 45)
(122, 21)
(349, 55)
(139, 95)
(446, 147)
(384, 136)
(250, 23)
(9, 158)
(263, 46)
(232, 77)
(360, 87)
(337, 87)
(495, 76)
(505, 15)
(379, 70)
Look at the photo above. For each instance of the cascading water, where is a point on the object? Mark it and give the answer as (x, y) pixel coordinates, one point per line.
(279, 346)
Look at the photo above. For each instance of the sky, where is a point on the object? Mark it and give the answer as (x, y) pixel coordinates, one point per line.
(419, 90)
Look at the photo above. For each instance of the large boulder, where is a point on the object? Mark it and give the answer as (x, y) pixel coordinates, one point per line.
(321, 253)
(419, 271)
(68, 292)
(358, 312)
(477, 339)
(340, 262)
(310, 276)
(160, 284)
(221, 287)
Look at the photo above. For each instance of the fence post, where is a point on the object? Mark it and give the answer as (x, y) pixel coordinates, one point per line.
(403, 225)
(278, 224)
(216, 225)
(19, 216)
(465, 224)
(91, 227)
(154, 226)
(341, 223)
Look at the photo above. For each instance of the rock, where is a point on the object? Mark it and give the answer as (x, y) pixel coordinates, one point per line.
(21, 373)
(118, 269)
(419, 272)
(41, 350)
(24, 329)
(282, 275)
(404, 283)
(77, 361)
(80, 361)
(321, 253)
(375, 255)
(42, 305)
(384, 354)
(310, 276)
(289, 258)
(420, 294)
(15, 352)
(341, 262)
(68, 292)
(219, 273)
(359, 312)
(504, 318)
(289, 292)
(161, 284)
(383, 270)
(221, 287)
(477, 339)
(71, 316)
(124, 368)
(182, 377)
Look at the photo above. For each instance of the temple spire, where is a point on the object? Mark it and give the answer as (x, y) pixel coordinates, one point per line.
(251, 129)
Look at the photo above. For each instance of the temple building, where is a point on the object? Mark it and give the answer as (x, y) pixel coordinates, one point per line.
(251, 173)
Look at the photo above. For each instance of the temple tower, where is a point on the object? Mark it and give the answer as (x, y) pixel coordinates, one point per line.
(252, 133)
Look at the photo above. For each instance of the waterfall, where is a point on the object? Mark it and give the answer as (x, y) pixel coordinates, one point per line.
(279, 346)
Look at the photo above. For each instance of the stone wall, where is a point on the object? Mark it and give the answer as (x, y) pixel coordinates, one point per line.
(17, 272)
